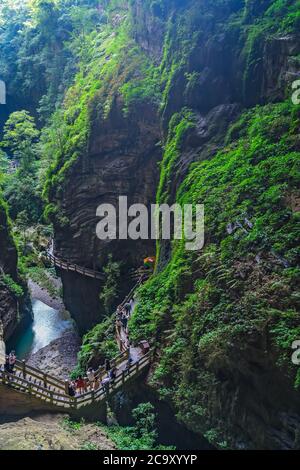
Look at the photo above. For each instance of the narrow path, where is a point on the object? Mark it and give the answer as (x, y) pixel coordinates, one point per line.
(54, 391)
(66, 266)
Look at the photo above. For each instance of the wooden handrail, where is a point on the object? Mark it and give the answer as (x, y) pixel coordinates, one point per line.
(63, 400)
(27, 369)
(33, 381)
(66, 266)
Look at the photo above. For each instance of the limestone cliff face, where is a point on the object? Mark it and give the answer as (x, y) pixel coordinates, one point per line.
(9, 305)
(247, 395)
(15, 308)
(212, 66)
(122, 160)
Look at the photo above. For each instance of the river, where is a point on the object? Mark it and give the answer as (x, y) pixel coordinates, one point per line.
(48, 324)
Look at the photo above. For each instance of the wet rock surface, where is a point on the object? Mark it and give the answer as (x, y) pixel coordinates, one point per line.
(13, 311)
(59, 358)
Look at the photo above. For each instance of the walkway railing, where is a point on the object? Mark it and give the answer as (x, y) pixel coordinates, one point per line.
(66, 266)
(121, 343)
(56, 397)
(54, 391)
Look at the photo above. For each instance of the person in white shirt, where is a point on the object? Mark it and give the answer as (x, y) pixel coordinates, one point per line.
(91, 377)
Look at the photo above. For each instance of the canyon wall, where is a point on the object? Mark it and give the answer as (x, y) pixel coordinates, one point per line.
(119, 156)
(121, 160)
(13, 309)
(204, 88)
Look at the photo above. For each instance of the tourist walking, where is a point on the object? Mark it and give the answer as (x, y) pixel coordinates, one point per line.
(7, 365)
(71, 389)
(107, 365)
(127, 308)
(80, 384)
(113, 374)
(131, 304)
(91, 378)
(125, 322)
(119, 312)
(12, 361)
(96, 383)
(119, 326)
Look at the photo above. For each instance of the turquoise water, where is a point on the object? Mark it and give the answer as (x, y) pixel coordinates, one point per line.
(48, 324)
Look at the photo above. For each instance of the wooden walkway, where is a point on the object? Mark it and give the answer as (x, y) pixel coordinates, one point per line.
(66, 266)
(54, 391)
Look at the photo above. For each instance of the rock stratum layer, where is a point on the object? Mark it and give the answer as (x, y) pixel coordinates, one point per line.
(13, 309)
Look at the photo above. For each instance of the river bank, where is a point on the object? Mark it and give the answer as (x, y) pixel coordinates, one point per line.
(41, 293)
(59, 358)
(51, 342)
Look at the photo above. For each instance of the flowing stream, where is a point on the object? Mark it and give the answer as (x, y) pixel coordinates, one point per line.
(48, 324)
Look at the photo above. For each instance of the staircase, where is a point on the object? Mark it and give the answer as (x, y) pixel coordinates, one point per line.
(54, 391)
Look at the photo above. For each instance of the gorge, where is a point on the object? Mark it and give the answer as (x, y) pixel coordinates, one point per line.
(164, 102)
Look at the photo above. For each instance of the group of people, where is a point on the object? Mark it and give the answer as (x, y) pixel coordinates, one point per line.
(10, 362)
(91, 381)
(123, 315)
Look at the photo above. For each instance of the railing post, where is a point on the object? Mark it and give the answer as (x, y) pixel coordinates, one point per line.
(24, 369)
(137, 366)
(45, 380)
(93, 396)
(123, 377)
(66, 387)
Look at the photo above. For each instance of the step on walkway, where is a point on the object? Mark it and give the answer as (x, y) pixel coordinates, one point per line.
(54, 391)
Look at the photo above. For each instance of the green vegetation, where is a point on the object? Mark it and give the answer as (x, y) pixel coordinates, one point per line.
(114, 66)
(141, 436)
(72, 425)
(109, 291)
(245, 281)
(45, 278)
(20, 187)
(97, 345)
(79, 64)
(14, 288)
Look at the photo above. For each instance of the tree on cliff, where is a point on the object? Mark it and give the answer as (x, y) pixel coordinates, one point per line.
(21, 188)
(20, 137)
(110, 289)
